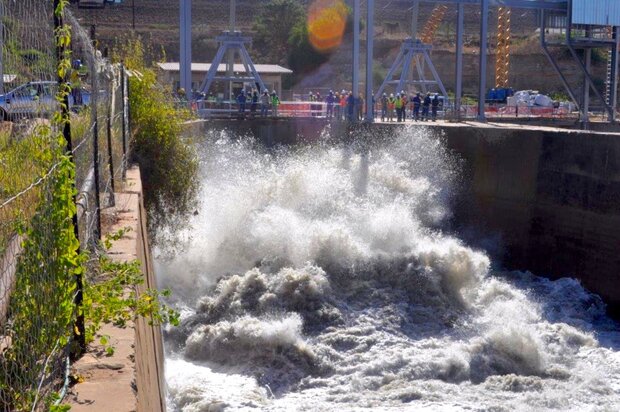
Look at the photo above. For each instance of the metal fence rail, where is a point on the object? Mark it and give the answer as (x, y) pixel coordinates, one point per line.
(301, 109)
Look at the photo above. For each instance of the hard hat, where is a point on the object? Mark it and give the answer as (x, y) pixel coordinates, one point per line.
(391, 94)
(384, 94)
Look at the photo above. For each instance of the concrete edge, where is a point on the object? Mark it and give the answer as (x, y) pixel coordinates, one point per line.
(132, 379)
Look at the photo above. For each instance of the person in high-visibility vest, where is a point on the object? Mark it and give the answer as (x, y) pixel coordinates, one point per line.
(275, 102)
(398, 104)
(391, 106)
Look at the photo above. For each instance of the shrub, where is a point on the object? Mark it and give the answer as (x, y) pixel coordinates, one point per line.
(168, 164)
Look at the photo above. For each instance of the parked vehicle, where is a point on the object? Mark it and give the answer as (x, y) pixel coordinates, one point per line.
(37, 99)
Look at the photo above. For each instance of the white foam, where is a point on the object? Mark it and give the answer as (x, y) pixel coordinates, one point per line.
(319, 277)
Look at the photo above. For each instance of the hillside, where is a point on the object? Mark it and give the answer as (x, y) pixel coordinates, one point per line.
(157, 21)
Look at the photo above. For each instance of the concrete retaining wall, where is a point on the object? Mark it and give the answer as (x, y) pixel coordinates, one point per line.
(541, 199)
(552, 197)
(132, 379)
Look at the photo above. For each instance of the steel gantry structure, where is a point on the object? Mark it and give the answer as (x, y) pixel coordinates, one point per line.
(231, 44)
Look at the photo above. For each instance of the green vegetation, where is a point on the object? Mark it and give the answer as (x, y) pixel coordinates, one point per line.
(41, 306)
(113, 297)
(168, 164)
(26, 155)
(28, 62)
(37, 203)
(273, 27)
(281, 35)
(560, 96)
(302, 56)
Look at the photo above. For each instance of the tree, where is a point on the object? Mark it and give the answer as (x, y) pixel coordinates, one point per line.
(273, 25)
(302, 56)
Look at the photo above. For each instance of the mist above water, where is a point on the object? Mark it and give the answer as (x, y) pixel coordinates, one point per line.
(318, 278)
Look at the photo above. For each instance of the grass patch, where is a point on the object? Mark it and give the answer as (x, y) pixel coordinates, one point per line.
(23, 161)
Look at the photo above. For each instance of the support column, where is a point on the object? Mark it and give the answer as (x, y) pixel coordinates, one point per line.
(356, 48)
(458, 94)
(613, 95)
(585, 117)
(230, 66)
(185, 33)
(370, 32)
(414, 19)
(484, 26)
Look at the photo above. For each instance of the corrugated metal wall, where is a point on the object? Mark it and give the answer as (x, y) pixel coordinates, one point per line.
(596, 12)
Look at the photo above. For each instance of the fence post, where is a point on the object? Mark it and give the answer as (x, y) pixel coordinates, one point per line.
(79, 331)
(109, 132)
(94, 103)
(124, 124)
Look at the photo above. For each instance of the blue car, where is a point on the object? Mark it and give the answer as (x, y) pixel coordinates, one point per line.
(37, 99)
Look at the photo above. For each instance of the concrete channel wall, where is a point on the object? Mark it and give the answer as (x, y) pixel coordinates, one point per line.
(541, 199)
(551, 197)
(132, 378)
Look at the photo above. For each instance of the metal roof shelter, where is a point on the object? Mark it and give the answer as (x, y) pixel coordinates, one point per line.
(237, 68)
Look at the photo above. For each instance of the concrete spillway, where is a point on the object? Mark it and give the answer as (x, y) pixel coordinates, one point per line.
(550, 196)
(373, 268)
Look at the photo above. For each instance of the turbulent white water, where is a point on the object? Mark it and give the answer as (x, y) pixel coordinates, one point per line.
(318, 279)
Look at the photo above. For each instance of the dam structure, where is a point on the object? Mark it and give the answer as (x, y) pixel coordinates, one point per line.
(342, 263)
(397, 267)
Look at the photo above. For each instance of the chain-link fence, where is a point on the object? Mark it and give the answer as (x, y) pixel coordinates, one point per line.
(49, 194)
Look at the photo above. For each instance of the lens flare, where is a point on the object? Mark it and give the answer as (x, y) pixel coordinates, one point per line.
(326, 23)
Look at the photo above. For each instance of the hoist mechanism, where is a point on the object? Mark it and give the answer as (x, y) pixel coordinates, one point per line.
(502, 58)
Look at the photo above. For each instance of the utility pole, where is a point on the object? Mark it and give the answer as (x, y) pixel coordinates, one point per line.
(370, 31)
(356, 49)
(185, 34)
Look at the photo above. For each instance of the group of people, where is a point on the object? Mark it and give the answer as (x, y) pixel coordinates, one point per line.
(267, 102)
(344, 105)
(399, 103)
